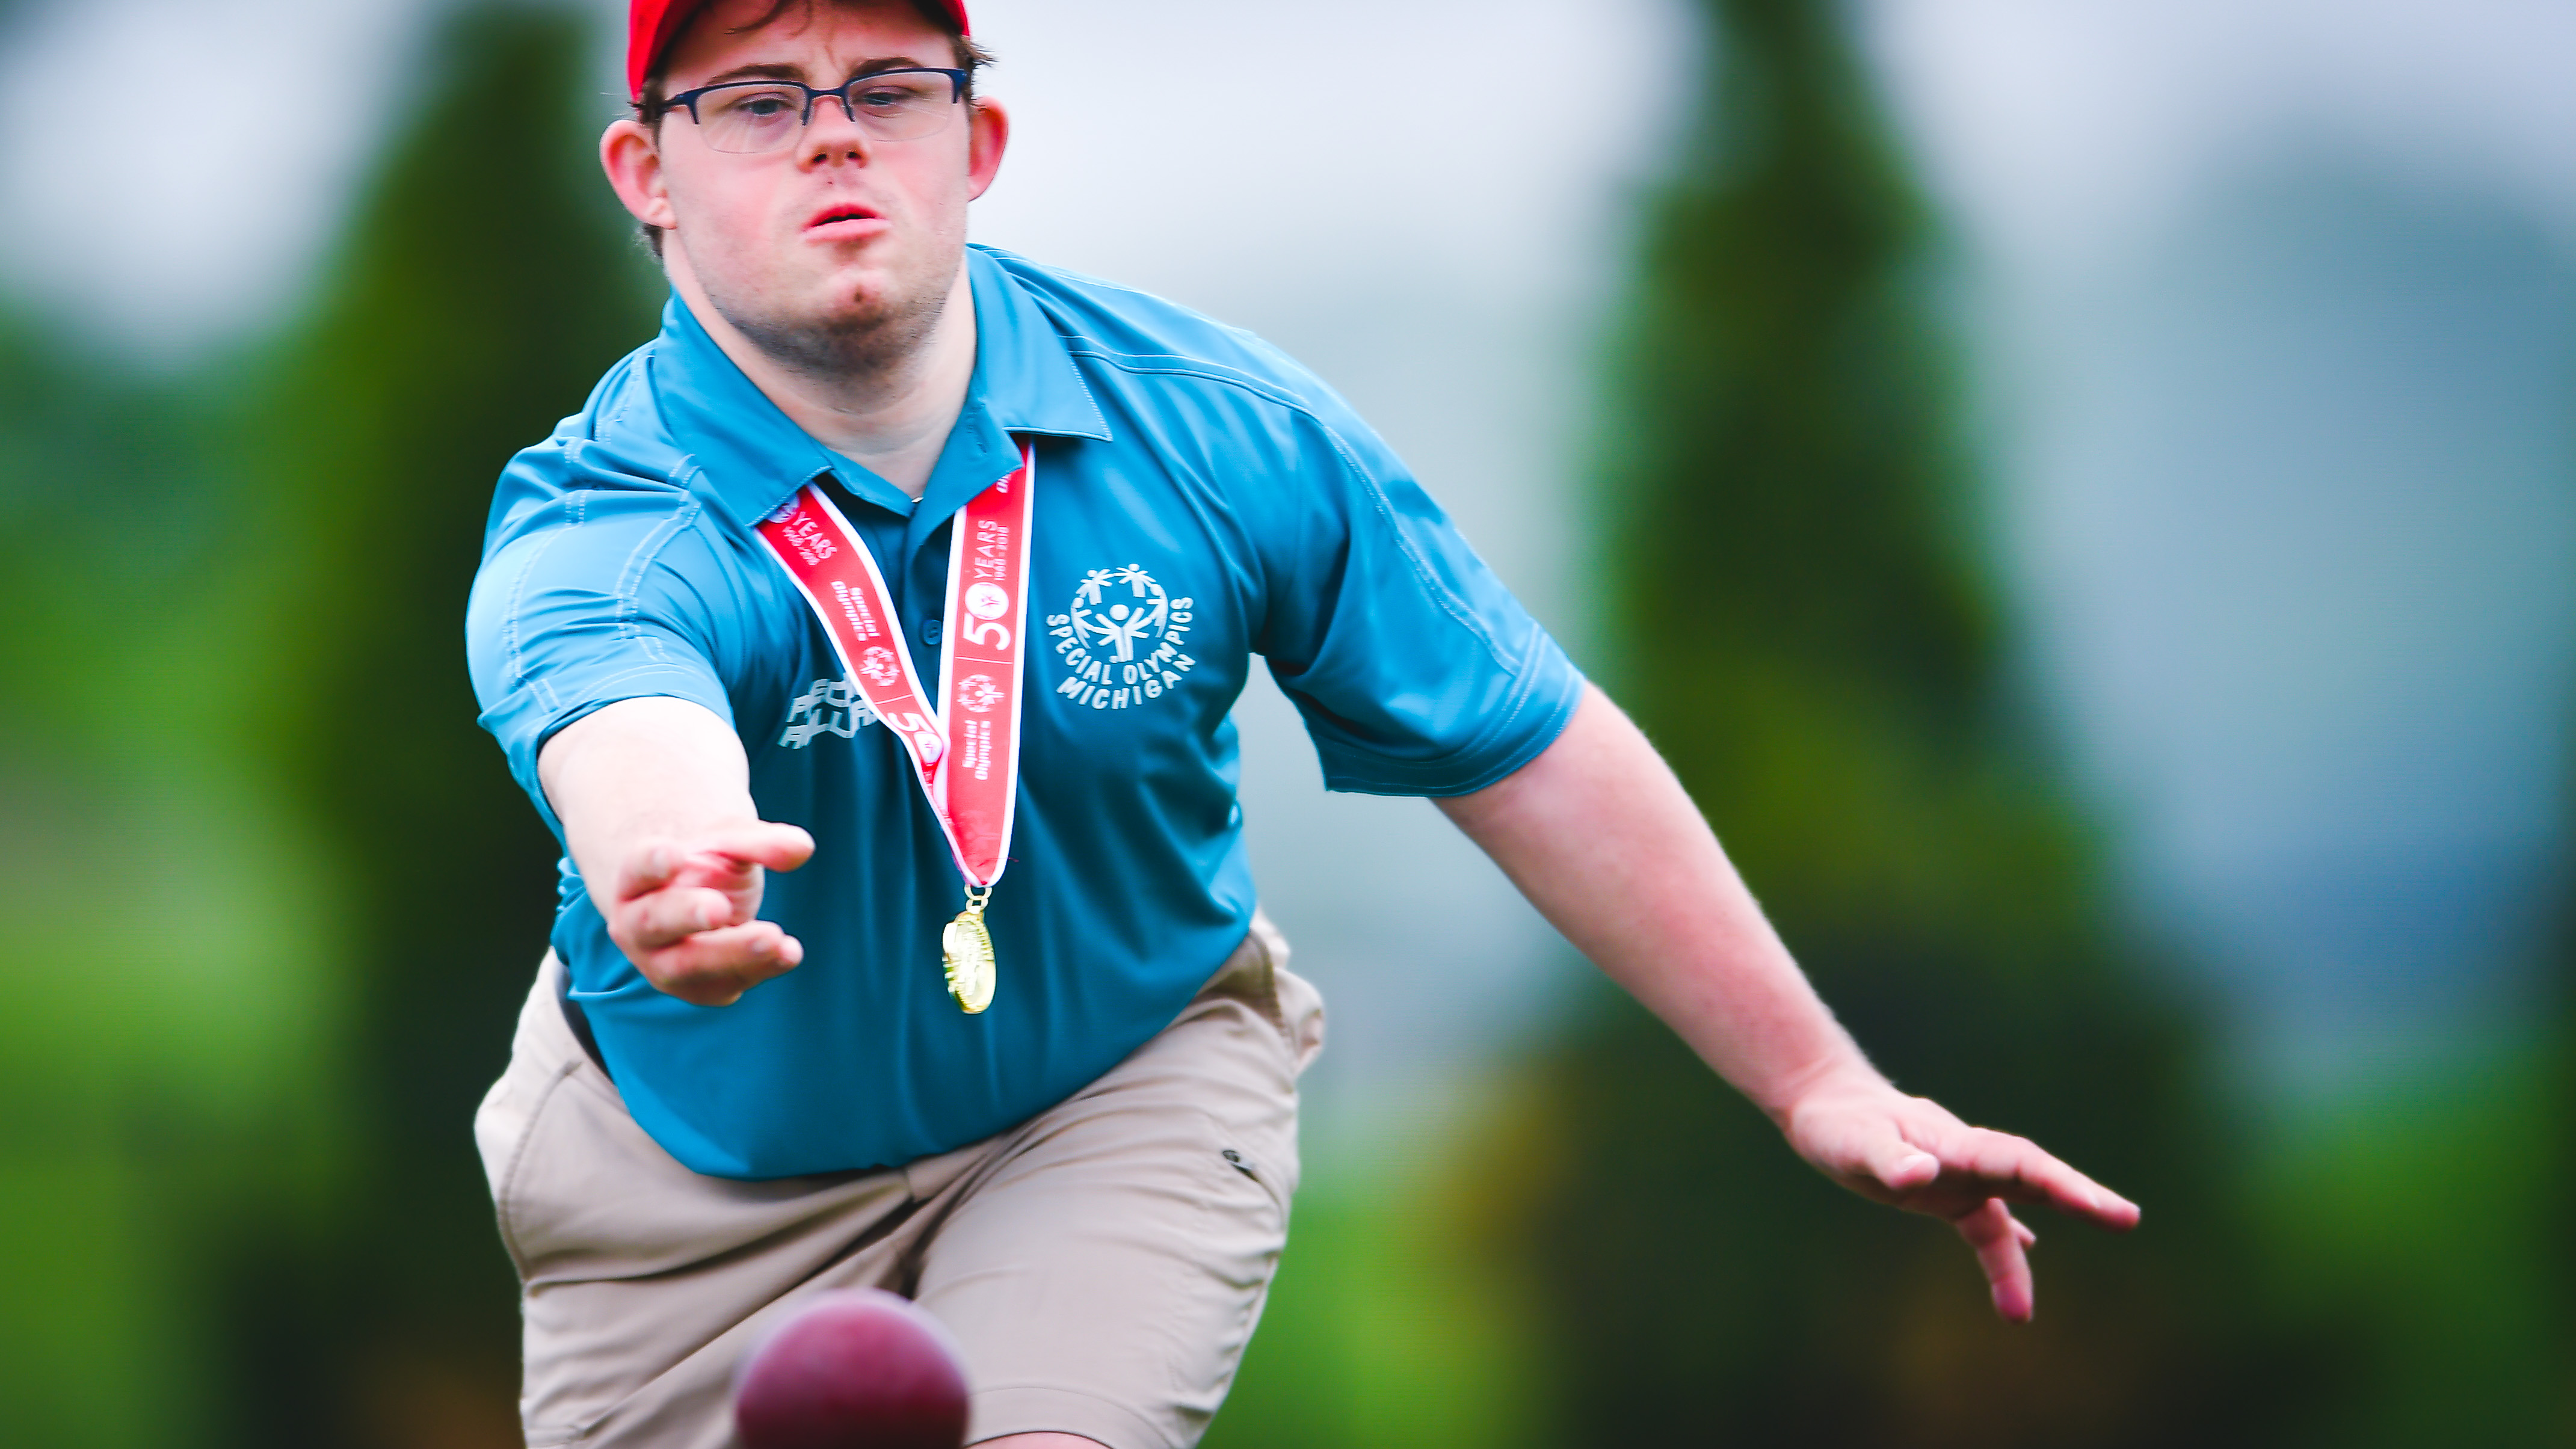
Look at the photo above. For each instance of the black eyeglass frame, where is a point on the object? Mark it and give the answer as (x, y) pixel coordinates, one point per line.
(688, 100)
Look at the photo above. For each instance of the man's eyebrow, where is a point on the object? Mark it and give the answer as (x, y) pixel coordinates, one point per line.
(764, 70)
(782, 70)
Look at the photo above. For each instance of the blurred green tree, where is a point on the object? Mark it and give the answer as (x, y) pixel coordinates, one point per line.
(483, 286)
(167, 1022)
(1803, 620)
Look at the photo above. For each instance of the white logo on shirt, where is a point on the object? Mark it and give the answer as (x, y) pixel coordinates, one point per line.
(831, 706)
(1121, 641)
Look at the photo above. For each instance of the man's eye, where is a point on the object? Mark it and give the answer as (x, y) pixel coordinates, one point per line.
(888, 97)
(759, 105)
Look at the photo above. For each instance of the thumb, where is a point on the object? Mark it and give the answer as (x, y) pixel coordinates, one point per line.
(768, 844)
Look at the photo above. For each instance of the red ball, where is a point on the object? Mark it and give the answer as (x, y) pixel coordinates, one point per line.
(856, 1368)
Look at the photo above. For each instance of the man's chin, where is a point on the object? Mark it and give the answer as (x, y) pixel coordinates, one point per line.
(852, 296)
(838, 323)
(854, 310)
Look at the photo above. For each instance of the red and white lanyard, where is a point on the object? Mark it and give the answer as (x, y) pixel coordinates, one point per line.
(965, 750)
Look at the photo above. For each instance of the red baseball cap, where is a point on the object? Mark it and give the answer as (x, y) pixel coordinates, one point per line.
(651, 25)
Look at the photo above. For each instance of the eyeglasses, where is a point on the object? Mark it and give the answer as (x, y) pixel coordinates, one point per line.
(745, 118)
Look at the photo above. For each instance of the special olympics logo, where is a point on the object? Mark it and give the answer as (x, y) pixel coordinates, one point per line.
(978, 692)
(879, 667)
(1116, 608)
(1121, 640)
(987, 601)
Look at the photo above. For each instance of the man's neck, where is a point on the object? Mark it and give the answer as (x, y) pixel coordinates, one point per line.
(892, 419)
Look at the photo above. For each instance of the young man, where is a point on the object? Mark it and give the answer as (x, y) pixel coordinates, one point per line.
(869, 640)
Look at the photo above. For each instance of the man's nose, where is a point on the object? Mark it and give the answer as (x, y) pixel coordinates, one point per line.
(832, 134)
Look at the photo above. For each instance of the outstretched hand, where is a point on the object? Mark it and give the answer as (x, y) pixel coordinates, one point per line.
(686, 912)
(1910, 1152)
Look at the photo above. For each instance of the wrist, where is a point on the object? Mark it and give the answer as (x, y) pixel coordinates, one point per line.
(1839, 1072)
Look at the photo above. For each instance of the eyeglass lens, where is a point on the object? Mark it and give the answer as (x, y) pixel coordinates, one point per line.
(760, 116)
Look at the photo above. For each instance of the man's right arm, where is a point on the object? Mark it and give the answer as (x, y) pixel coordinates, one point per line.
(655, 799)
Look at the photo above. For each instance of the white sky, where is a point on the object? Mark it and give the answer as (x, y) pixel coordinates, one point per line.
(2061, 131)
(162, 183)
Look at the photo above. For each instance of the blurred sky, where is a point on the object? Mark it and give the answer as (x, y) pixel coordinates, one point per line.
(2277, 326)
(2269, 303)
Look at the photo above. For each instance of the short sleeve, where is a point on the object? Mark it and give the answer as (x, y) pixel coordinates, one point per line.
(583, 601)
(1416, 671)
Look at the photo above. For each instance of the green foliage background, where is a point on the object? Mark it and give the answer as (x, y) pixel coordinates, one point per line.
(298, 902)
(274, 901)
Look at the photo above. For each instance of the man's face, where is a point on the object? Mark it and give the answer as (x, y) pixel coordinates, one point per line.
(840, 243)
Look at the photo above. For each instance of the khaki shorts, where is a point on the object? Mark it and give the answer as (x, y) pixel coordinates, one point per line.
(1102, 1265)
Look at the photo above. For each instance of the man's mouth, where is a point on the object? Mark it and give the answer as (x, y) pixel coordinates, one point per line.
(840, 213)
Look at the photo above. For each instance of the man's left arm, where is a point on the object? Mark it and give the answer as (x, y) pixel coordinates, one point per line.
(1600, 836)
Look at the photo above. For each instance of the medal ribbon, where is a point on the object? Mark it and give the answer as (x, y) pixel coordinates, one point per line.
(966, 749)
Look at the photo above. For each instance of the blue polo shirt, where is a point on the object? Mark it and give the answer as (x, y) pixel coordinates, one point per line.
(1200, 499)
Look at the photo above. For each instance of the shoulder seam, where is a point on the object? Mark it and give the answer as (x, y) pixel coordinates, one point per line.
(510, 639)
(630, 580)
(1450, 604)
(628, 590)
(1177, 364)
(1218, 372)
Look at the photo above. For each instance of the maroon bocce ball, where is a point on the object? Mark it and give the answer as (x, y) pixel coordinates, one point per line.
(856, 1368)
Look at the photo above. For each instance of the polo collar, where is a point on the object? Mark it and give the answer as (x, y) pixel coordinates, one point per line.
(1022, 367)
(753, 458)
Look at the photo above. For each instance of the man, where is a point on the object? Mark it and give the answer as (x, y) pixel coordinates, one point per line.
(869, 640)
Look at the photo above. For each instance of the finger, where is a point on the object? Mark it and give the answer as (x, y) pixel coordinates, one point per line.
(1998, 1240)
(767, 844)
(718, 871)
(649, 867)
(756, 949)
(673, 914)
(714, 968)
(2016, 1169)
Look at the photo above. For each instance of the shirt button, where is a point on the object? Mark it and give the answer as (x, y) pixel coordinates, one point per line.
(930, 631)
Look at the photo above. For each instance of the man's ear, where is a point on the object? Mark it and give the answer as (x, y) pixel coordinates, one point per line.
(988, 135)
(633, 161)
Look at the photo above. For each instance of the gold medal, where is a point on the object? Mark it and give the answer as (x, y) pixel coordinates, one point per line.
(966, 952)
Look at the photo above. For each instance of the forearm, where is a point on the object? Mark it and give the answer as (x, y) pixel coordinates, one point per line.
(655, 799)
(639, 770)
(1600, 836)
(1603, 840)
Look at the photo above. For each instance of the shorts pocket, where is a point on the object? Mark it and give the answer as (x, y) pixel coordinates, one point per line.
(504, 1131)
(1246, 1154)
